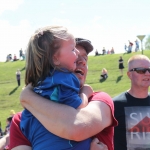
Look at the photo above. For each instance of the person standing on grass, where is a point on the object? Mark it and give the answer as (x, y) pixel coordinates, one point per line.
(18, 76)
(121, 66)
(136, 45)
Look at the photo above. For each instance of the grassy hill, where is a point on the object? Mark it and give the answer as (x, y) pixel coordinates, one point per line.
(113, 85)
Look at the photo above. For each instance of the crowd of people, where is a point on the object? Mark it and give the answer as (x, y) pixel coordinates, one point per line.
(9, 57)
(104, 51)
(129, 48)
(61, 112)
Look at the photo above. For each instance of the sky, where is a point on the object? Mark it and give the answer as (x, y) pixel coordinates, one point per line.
(106, 23)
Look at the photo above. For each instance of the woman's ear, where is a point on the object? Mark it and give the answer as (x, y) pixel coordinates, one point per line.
(55, 60)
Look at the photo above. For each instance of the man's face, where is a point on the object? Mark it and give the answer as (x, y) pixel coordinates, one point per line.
(81, 69)
(140, 80)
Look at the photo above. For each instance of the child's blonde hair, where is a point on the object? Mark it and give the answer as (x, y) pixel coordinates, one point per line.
(43, 44)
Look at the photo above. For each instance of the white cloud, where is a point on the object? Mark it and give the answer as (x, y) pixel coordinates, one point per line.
(9, 5)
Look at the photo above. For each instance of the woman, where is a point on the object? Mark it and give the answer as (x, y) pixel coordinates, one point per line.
(121, 65)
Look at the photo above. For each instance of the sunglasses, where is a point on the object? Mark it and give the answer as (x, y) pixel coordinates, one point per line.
(141, 70)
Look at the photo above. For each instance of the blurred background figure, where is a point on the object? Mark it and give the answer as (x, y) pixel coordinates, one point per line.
(136, 45)
(104, 73)
(7, 58)
(112, 51)
(15, 58)
(125, 48)
(20, 53)
(96, 53)
(121, 66)
(130, 47)
(18, 76)
(12, 113)
(8, 122)
(103, 51)
(1, 132)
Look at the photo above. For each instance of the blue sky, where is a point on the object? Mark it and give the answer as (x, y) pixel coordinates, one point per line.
(106, 23)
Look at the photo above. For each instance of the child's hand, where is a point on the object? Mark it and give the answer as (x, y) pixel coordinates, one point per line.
(97, 145)
(87, 90)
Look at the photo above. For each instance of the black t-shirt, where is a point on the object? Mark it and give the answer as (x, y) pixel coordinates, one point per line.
(133, 116)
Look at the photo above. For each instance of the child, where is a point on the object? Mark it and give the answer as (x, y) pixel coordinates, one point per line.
(104, 74)
(51, 59)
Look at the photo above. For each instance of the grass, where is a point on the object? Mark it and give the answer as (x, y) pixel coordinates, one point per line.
(113, 85)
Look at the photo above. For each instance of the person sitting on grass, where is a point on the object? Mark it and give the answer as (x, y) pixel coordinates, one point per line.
(104, 74)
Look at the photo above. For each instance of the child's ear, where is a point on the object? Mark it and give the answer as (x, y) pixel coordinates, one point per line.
(55, 60)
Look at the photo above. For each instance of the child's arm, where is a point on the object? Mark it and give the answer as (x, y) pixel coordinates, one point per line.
(85, 92)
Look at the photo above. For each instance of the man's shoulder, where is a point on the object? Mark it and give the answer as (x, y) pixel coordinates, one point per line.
(101, 96)
(98, 95)
(17, 117)
(120, 97)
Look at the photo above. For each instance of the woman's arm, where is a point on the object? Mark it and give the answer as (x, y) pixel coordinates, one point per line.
(65, 121)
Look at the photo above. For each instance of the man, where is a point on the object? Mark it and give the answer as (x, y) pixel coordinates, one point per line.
(137, 45)
(130, 47)
(132, 108)
(65, 121)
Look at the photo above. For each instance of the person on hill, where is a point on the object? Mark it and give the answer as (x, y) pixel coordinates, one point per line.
(1, 132)
(74, 124)
(15, 58)
(20, 53)
(12, 113)
(132, 107)
(136, 45)
(18, 76)
(104, 73)
(125, 48)
(96, 53)
(103, 51)
(7, 58)
(10, 57)
(121, 66)
(8, 122)
(130, 47)
(112, 51)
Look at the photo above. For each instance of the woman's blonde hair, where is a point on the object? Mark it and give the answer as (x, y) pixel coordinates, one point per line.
(43, 44)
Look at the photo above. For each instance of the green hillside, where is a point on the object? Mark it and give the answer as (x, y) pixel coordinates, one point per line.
(113, 85)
